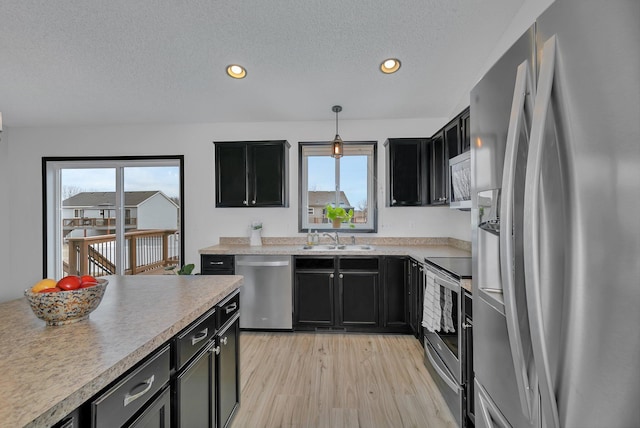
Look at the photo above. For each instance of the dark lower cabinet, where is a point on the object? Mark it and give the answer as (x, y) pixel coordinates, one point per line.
(192, 381)
(336, 293)
(358, 303)
(415, 297)
(157, 415)
(228, 367)
(217, 264)
(195, 392)
(314, 299)
(352, 293)
(395, 313)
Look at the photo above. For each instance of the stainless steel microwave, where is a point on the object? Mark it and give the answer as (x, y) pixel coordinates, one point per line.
(460, 181)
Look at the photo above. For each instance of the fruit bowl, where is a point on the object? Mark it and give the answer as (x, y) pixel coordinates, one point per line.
(66, 307)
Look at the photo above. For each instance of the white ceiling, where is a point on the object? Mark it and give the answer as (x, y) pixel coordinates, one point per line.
(147, 61)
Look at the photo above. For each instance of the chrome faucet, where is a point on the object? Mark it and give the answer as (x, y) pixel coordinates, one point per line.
(335, 238)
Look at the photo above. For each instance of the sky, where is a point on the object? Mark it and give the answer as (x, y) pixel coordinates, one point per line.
(164, 178)
(353, 176)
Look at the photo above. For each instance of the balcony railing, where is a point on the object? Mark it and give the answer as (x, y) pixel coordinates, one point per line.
(78, 222)
(147, 251)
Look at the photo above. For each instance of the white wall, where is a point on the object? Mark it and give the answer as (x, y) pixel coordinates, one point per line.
(204, 224)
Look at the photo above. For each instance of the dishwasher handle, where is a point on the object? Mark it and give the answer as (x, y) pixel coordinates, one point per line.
(278, 263)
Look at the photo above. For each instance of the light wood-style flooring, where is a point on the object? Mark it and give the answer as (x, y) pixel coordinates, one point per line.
(336, 380)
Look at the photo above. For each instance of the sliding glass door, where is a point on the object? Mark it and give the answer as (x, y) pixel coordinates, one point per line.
(108, 216)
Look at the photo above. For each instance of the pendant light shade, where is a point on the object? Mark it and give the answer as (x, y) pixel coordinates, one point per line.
(336, 144)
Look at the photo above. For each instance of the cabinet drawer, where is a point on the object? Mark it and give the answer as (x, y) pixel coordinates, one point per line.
(228, 308)
(216, 264)
(194, 338)
(114, 407)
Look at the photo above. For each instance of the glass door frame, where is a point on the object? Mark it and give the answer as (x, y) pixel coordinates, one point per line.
(52, 194)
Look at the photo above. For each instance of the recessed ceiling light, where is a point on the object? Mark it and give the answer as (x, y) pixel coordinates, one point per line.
(390, 65)
(236, 71)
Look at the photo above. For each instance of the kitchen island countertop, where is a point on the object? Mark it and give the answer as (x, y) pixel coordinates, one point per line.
(48, 371)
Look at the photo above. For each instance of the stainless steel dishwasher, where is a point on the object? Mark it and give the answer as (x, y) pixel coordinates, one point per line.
(267, 296)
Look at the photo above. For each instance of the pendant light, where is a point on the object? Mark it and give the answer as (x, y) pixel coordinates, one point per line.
(336, 144)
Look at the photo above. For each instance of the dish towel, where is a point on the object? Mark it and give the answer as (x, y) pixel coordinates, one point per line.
(431, 311)
(447, 317)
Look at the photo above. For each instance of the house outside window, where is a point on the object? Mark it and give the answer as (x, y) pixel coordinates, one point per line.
(347, 182)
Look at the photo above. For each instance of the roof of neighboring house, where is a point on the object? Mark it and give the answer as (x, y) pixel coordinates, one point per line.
(97, 199)
(322, 198)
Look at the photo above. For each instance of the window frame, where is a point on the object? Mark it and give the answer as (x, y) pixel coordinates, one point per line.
(372, 179)
(51, 192)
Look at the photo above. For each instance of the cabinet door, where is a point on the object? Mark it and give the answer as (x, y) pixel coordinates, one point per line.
(195, 392)
(158, 414)
(267, 174)
(452, 138)
(395, 312)
(314, 298)
(358, 298)
(228, 366)
(231, 174)
(439, 168)
(406, 172)
(465, 138)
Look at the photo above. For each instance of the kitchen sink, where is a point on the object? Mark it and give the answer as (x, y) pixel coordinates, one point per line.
(353, 247)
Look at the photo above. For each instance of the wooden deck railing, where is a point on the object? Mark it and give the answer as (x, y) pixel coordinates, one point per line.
(96, 222)
(146, 251)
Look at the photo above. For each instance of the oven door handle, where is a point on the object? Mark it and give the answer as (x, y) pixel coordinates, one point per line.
(442, 371)
(445, 282)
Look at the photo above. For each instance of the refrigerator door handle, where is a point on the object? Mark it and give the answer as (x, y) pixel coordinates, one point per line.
(531, 234)
(522, 100)
(489, 412)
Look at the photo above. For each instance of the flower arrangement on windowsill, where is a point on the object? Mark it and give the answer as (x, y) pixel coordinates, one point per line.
(338, 215)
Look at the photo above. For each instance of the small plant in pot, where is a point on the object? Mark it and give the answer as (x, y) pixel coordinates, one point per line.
(338, 215)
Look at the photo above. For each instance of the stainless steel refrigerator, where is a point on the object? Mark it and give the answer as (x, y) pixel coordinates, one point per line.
(555, 128)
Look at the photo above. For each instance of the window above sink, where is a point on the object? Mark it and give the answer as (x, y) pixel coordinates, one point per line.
(346, 182)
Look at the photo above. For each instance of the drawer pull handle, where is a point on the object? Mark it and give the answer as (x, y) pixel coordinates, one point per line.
(128, 398)
(230, 308)
(216, 263)
(200, 336)
(224, 340)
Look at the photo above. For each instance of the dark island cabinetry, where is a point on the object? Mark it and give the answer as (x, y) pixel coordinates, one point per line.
(252, 174)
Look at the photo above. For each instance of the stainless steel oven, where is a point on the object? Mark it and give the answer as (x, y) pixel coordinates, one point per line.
(444, 336)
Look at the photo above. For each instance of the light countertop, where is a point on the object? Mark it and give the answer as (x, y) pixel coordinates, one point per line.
(418, 248)
(48, 371)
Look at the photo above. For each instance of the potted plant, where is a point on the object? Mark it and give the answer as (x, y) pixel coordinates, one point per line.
(338, 215)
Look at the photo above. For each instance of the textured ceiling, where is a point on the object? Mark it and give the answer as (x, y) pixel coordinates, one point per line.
(148, 61)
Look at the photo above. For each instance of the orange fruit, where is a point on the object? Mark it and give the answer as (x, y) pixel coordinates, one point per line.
(43, 284)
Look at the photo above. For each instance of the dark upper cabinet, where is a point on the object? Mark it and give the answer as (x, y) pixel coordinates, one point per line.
(456, 135)
(252, 174)
(465, 132)
(439, 169)
(407, 172)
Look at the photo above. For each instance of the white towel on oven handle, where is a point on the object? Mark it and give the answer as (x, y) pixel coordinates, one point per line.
(447, 311)
(431, 311)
